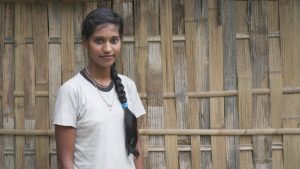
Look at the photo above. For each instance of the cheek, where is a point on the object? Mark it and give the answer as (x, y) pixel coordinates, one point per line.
(94, 48)
(118, 48)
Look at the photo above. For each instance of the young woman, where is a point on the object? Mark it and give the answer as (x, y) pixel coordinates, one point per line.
(96, 111)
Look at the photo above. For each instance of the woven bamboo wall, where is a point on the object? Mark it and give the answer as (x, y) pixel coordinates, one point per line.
(219, 79)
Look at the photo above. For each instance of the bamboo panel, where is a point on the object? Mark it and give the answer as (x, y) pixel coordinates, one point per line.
(275, 78)
(2, 36)
(230, 83)
(54, 16)
(216, 83)
(262, 152)
(193, 105)
(289, 13)
(29, 89)
(67, 41)
(178, 83)
(244, 83)
(171, 154)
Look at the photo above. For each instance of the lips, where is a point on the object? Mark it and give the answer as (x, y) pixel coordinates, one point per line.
(107, 56)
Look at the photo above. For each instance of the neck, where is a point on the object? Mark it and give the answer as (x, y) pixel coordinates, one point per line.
(101, 76)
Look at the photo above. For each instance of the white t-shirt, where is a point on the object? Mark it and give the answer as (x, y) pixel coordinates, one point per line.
(100, 133)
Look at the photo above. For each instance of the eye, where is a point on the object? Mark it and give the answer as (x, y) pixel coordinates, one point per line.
(115, 40)
(99, 40)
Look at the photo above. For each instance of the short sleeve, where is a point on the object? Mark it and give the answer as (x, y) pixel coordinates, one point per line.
(66, 106)
(136, 106)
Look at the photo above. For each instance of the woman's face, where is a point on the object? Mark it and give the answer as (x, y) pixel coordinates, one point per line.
(103, 46)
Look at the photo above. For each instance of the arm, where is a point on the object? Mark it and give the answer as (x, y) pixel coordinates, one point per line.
(139, 162)
(65, 141)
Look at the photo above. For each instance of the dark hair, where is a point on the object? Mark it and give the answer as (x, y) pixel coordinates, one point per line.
(93, 19)
(98, 17)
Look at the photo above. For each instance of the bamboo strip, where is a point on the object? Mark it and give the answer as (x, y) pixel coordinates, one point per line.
(8, 83)
(289, 13)
(20, 32)
(216, 54)
(192, 62)
(67, 38)
(181, 99)
(29, 88)
(140, 76)
(80, 59)
(2, 35)
(230, 82)
(171, 154)
(154, 148)
(41, 52)
(201, 81)
(132, 39)
(244, 84)
(261, 117)
(275, 78)
(208, 132)
(54, 15)
(169, 95)
(207, 148)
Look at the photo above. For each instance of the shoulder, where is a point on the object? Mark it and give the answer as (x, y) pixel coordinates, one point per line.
(126, 80)
(71, 85)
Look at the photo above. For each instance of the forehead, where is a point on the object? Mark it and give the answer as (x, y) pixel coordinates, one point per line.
(106, 30)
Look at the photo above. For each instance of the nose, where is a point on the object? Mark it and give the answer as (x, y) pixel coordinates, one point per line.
(107, 48)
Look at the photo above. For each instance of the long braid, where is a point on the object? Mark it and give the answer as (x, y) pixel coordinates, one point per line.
(130, 121)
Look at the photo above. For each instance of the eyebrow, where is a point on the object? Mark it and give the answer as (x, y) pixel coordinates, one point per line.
(106, 37)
